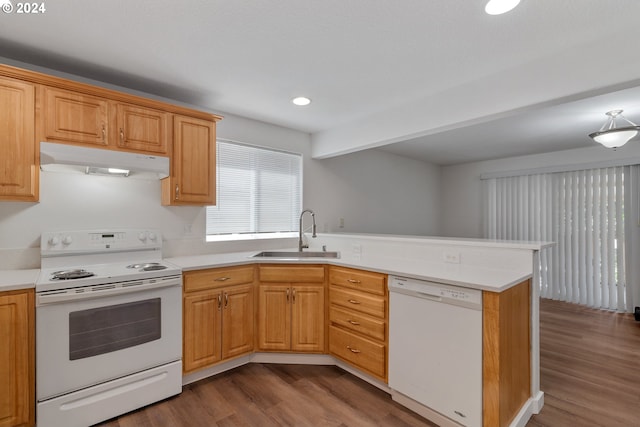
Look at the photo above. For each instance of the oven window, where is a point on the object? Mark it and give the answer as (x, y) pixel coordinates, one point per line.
(106, 329)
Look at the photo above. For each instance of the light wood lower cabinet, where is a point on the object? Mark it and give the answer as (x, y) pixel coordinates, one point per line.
(218, 316)
(358, 315)
(17, 359)
(19, 155)
(291, 309)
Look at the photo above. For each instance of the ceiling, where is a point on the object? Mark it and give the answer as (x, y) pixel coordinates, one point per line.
(433, 79)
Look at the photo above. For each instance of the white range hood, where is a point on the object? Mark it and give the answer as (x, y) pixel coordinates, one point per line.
(64, 157)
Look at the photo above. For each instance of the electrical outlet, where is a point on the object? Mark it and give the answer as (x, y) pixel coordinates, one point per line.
(451, 257)
(341, 225)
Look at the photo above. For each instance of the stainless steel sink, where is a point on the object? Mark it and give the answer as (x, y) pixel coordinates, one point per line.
(296, 254)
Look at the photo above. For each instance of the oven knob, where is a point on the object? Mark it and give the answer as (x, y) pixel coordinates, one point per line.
(54, 240)
(142, 237)
(67, 240)
(152, 236)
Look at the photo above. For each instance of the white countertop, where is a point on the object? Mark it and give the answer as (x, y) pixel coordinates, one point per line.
(489, 279)
(18, 279)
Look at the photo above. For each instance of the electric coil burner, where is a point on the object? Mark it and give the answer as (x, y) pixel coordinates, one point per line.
(77, 273)
(108, 325)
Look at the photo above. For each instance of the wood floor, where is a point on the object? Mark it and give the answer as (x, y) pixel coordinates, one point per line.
(265, 395)
(590, 373)
(590, 367)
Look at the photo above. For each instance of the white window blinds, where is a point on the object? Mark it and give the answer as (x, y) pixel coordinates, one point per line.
(584, 212)
(259, 192)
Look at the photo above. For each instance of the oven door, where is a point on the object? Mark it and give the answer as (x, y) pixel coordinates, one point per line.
(86, 340)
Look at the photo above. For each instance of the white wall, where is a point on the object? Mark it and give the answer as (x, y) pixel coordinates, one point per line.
(462, 204)
(376, 192)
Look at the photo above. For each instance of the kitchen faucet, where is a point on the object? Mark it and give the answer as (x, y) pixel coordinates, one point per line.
(313, 229)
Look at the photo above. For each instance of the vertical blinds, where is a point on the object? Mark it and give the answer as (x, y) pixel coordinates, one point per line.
(259, 190)
(584, 213)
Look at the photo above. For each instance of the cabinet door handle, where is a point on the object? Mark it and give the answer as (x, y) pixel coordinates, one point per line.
(353, 281)
(219, 301)
(121, 136)
(177, 192)
(294, 296)
(353, 350)
(353, 322)
(226, 300)
(104, 134)
(221, 279)
(287, 295)
(352, 301)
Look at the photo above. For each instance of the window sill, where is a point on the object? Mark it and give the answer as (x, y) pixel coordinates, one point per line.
(257, 236)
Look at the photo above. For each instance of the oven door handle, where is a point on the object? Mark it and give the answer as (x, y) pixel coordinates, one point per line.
(105, 290)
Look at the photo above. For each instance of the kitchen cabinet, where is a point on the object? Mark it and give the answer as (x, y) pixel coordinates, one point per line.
(358, 316)
(218, 312)
(19, 160)
(72, 117)
(79, 118)
(17, 358)
(193, 166)
(291, 308)
(141, 129)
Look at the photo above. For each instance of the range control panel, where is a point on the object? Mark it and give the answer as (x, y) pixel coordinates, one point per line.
(54, 243)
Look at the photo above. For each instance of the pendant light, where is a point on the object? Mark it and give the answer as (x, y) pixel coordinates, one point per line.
(613, 137)
(498, 7)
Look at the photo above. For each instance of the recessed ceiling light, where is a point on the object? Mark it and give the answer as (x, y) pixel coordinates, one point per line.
(498, 7)
(301, 101)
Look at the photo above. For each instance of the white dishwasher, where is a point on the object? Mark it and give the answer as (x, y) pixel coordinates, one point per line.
(435, 348)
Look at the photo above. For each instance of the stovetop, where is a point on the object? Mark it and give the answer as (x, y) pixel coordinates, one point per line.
(72, 259)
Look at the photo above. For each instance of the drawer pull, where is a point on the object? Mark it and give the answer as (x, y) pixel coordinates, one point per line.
(222, 279)
(354, 281)
(353, 350)
(352, 301)
(353, 322)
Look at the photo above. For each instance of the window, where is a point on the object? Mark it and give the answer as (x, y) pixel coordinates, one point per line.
(259, 193)
(582, 211)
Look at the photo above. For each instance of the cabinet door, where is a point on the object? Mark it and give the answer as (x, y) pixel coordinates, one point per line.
(307, 312)
(202, 329)
(193, 169)
(142, 129)
(17, 381)
(18, 162)
(72, 117)
(237, 321)
(274, 317)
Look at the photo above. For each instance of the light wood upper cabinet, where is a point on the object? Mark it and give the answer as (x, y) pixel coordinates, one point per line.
(193, 171)
(19, 158)
(71, 117)
(141, 129)
(17, 359)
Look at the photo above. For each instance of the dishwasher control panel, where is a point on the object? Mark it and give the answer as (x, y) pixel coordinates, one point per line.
(436, 291)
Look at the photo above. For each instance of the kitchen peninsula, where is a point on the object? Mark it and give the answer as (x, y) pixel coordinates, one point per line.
(503, 271)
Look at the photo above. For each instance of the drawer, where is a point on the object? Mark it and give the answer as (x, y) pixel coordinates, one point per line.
(370, 356)
(369, 326)
(358, 279)
(217, 277)
(291, 273)
(359, 301)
